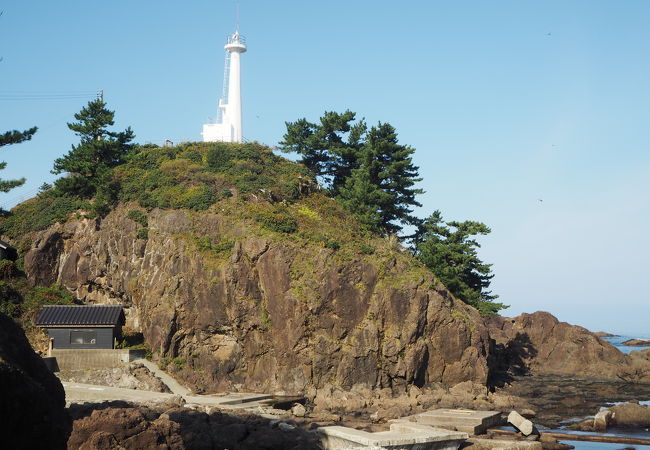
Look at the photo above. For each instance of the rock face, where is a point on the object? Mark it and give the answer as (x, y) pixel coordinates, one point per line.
(125, 427)
(603, 334)
(32, 401)
(541, 344)
(260, 311)
(130, 427)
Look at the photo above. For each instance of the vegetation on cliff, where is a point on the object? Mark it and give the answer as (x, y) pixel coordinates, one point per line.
(368, 191)
(22, 301)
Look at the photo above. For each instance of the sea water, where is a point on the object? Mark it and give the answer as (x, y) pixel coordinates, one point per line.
(617, 341)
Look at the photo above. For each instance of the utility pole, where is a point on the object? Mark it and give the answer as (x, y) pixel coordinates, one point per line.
(100, 96)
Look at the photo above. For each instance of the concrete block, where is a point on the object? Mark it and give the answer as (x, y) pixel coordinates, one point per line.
(494, 444)
(465, 420)
(521, 423)
(401, 436)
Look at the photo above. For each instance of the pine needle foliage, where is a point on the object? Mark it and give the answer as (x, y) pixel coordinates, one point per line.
(368, 170)
(449, 250)
(90, 163)
(9, 138)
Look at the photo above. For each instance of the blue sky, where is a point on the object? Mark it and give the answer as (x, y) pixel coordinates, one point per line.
(505, 102)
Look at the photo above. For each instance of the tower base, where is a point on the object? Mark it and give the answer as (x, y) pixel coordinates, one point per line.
(217, 132)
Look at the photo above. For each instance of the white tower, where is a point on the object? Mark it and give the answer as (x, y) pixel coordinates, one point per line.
(228, 127)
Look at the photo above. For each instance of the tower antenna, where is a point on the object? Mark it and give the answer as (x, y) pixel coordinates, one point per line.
(237, 14)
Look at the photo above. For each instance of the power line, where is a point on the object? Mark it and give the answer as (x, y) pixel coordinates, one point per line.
(45, 95)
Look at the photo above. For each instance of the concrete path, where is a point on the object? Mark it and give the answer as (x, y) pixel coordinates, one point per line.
(80, 392)
(171, 383)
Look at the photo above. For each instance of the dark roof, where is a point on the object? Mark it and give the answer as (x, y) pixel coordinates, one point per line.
(100, 315)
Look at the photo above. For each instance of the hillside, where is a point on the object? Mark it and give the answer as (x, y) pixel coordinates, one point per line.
(243, 276)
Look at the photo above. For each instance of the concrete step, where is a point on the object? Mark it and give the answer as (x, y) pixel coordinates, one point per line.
(401, 436)
(468, 421)
(239, 398)
(502, 444)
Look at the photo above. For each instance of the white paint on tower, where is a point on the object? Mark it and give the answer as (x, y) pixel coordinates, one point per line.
(228, 127)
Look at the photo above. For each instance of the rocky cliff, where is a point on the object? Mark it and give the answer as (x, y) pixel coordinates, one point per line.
(32, 401)
(234, 306)
(540, 344)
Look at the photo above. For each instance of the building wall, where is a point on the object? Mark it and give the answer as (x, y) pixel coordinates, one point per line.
(69, 359)
(61, 337)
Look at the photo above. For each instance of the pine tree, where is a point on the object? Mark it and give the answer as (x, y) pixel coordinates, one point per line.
(8, 138)
(382, 184)
(368, 170)
(329, 148)
(90, 163)
(449, 250)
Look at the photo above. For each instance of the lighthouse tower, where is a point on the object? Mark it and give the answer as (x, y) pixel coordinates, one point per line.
(228, 127)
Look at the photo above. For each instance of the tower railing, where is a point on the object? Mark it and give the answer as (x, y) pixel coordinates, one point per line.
(235, 39)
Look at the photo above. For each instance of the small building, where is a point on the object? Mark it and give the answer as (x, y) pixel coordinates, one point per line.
(81, 327)
(7, 251)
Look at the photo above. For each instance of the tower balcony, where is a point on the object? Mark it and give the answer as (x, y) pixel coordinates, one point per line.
(236, 43)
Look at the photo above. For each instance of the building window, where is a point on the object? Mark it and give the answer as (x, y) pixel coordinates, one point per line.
(78, 337)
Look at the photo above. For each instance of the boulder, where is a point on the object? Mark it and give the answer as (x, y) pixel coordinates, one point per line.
(32, 400)
(298, 410)
(602, 419)
(630, 415)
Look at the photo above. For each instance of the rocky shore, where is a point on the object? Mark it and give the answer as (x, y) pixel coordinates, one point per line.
(174, 427)
(637, 343)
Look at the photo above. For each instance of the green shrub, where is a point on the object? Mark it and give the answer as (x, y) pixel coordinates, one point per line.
(278, 219)
(204, 243)
(198, 198)
(138, 216)
(7, 268)
(192, 155)
(366, 249)
(223, 246)
(179, 362)
(10, 300)
(218, 158)
(142, 233)
(265, 318)
(327, 242)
